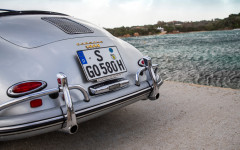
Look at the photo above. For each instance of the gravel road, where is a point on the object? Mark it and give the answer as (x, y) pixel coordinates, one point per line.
(185, 117)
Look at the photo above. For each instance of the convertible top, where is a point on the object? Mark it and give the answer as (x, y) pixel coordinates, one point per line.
(6, 12)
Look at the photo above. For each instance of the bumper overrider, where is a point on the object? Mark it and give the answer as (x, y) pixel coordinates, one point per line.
(52, 119)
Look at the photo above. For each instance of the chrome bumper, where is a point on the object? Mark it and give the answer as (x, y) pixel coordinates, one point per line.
(55, 123)
(70, 118)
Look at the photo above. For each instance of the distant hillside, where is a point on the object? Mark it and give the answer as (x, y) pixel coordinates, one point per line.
(231, 22)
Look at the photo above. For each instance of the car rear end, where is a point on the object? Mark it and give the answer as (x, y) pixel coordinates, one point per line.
(58, 71)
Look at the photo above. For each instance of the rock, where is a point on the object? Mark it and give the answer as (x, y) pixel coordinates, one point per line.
(136, 34)
(127, 35)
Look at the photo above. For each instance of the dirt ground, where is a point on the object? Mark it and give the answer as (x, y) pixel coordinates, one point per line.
(185, 117)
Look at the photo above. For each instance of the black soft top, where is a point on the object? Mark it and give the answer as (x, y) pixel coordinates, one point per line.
(7, 12)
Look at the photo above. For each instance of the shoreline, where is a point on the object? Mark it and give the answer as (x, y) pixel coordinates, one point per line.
(174, 33)
(199, 85)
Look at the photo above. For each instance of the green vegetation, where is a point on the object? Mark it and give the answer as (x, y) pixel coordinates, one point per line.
(232, 22)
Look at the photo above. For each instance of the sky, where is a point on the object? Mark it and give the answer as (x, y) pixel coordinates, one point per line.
(117, 13)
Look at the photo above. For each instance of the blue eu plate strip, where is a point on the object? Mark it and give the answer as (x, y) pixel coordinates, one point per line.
(82, 57)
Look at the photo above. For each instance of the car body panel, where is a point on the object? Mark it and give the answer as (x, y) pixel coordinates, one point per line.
(37, 63)
(31, 31)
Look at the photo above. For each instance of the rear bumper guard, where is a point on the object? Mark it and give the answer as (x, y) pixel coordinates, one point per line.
(151, 72)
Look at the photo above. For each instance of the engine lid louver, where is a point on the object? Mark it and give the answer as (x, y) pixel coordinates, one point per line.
(67, 25)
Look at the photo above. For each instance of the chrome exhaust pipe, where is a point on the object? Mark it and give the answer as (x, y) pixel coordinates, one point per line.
(70, 129)
(73, 129)
(154, 97)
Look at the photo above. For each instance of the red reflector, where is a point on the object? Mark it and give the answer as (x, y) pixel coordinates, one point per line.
(59, 81)
(25, 87)
(142, 62)
(36, 103)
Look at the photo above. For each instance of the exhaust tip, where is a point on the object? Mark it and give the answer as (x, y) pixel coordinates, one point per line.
(154, 97)
(157, 96)
(73, 129)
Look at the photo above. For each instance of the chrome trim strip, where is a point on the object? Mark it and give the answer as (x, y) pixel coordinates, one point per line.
(109, 87)
(31, 126)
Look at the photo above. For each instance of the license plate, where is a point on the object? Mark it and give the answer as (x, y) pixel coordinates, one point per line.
(100, 63)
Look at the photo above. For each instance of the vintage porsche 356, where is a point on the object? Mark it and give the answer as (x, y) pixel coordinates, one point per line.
(57, 71)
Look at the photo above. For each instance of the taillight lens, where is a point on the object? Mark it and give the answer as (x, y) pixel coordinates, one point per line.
(26, 87)
(141, 62)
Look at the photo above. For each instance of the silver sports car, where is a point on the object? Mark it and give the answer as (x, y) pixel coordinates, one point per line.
(57, 71)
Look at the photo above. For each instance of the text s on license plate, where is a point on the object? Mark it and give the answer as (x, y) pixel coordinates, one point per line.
(102, 62)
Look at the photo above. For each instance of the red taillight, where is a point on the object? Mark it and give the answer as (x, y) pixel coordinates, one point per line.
(25, 87)
(36, 103)
(59, 81)
(141, 62)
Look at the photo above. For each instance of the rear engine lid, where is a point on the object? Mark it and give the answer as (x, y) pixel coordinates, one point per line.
(31, 31)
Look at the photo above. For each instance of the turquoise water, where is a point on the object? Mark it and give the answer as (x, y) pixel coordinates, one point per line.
(206, 58)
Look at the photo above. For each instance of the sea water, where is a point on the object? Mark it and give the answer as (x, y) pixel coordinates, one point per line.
(206, 58)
